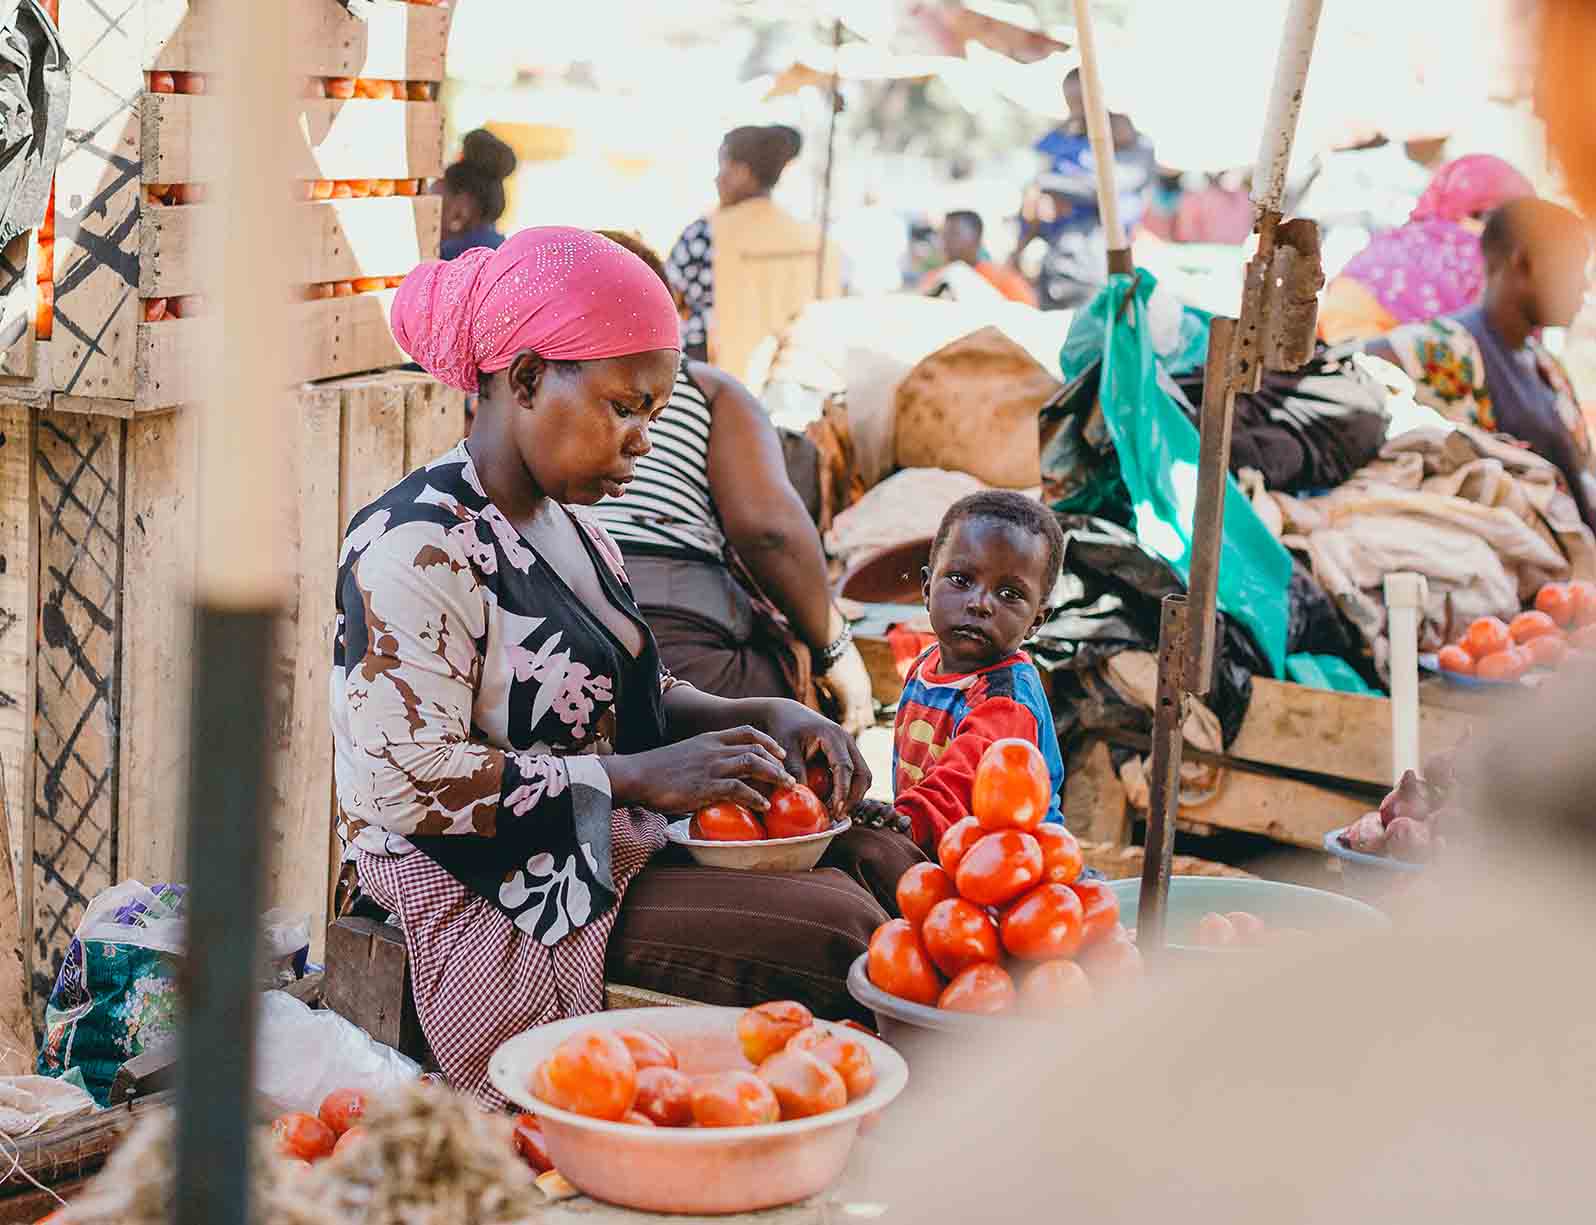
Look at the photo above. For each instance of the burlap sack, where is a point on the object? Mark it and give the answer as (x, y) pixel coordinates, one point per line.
(972, 407)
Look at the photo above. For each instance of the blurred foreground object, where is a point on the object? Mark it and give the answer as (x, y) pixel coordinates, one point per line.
(1566, 91)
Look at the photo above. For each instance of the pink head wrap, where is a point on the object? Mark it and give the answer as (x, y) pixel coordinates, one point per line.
(566, 294)
(1469, 186)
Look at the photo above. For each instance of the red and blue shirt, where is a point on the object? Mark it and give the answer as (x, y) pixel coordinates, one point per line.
(946, 721)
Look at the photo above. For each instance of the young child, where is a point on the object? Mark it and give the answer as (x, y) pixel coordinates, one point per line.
(994, 562)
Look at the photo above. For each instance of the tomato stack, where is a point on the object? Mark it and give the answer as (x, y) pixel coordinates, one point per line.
(308, 1138)
(1563, 621)
(794, 812)
(1004, 898)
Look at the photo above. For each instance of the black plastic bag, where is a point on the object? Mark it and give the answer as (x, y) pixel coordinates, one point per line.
(34, 85)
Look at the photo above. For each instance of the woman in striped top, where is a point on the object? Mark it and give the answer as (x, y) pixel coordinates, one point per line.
(713, 491)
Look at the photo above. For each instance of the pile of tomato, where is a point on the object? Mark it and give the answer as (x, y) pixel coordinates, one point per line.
(1563, 621)
(1004, 900)
(794, 812)
(308, 1138)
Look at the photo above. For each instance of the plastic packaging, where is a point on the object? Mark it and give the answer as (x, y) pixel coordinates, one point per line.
(32, 1103)
(302, 1055)
(285, 945)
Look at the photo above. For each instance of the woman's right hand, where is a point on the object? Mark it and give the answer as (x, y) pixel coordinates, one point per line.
(715, 768)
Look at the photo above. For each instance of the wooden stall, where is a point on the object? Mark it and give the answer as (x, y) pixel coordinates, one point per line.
(99, 433)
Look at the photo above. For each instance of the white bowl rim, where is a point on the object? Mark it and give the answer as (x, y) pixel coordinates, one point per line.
(676, 831)
(892, 1075)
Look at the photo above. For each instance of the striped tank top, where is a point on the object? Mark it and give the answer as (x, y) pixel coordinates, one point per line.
(667, 507)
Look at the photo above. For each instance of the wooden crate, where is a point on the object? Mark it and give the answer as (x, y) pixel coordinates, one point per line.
(95, 704)
(114, 250)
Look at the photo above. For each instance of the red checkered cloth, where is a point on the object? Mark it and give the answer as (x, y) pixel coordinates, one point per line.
(477, 978)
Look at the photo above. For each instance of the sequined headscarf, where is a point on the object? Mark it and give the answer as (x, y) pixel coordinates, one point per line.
(564, 293)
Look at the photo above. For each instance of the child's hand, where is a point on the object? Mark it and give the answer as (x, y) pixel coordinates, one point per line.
(876, 814)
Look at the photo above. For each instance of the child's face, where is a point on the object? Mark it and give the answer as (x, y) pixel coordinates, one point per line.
(985, 591)
(460, 213)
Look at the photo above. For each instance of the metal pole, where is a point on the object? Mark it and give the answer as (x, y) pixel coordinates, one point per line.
(1163, 805)
(1285, 104)
(1208, 517)
(835, 96)
(1100, 131)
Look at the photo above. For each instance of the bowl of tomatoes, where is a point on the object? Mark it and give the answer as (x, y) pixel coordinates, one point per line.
(700, 1109)
(1493, 652)
(1218, 915)
(789, 836)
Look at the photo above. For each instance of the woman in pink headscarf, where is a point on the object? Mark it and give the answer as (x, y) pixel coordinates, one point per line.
(505, 737)
(1432, 265)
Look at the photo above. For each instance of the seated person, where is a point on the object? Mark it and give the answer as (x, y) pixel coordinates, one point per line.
(1483, 366)
(993, 564)
(961, 244)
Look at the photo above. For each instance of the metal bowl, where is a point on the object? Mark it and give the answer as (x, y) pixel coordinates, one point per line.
(770, 855)
(714, 1170)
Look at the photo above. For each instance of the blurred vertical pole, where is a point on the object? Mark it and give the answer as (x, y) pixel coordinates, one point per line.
(237, 599)
(835, 98)
(1100, 131)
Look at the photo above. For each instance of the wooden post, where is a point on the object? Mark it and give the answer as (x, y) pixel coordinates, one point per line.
(835, 98)
(1100, 130)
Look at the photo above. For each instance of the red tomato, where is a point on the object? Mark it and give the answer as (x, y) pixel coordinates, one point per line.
(1582, 639)
(767, 1028)
(726, 823)
(395, 281)
(1528, 626)
(369, 87)
(318, 291)
(1453, 658)
(956, 934)
(418, 91)
(1100, 910)
(359, 189)
(1215, 931)
(355, 1135)
(1013, 789)
(1044, 924)
(999, 868)
(1061, 853)
(162, 83)
(817, 777)
(648, 1050)
(1557, 601)
(984, 988)
(1249, 928)
(321, 189)
(45, 269)
(957, 839)
(303, 1136)
(1487, 636)
(1113, 962)
(1055, 986)
(340, 87)
(899, 965)
(843, 1052)
(154, 310)
(589, 1074)
(382, 187)
(342, 1108)
(1547, 651)
(407, 187)
(796, 811)
(733, 1099)
(530, 1144)
(1506, 665)
(1584, 602)
(370, 284)
(665, 1095)
(44, 311)
(803, 1084)
(341, 190)
(189, 82)
(920, 888)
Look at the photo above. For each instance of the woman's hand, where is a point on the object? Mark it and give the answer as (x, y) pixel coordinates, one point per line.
(805, 736)
(714, 768)
(848, 680)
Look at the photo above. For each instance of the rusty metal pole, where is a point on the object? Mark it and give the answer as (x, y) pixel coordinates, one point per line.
(1163, 793)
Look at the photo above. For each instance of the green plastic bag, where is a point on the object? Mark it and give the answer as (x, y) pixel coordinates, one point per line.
(1326, 672)
(1157, 448)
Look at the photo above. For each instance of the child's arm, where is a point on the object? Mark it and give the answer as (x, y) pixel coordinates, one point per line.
(943, 795)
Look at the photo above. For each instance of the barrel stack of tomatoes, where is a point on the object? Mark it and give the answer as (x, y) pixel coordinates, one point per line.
(1005, 901)
(1562, 622)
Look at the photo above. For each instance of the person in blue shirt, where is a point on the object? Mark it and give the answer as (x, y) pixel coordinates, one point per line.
(473, 194)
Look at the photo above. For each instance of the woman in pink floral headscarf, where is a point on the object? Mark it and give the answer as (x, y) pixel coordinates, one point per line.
(1430, 266)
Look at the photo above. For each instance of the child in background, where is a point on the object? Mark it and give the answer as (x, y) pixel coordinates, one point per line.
(993, 564)
(473, 194)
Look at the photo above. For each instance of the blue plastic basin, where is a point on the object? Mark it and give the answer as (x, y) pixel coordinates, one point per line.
(1278, 905)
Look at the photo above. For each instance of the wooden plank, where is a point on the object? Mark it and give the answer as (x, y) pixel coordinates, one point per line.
(94, 406)
(97, 200)
(340, 240)
(78, 485)
(1094, 799)
(434, 420)
(396, 41)
(356, 139)
(19, 264)
(159, 558)
(1283, 809)
(371, 456)
(1125, 863)
(76, 1149)
(19, 571)
(367, 982)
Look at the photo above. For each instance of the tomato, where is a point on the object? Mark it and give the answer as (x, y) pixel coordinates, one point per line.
(899, 965)
(956, 840)
(1453, 658)
(1013, 789)
(162, 83)
(590, 1074)
(1547, 651)
(733, 1099)
(1061, 853)
(369, 87)
(767, 1028)
(1214, 931)
(999, 868)
(44, 311)
(341, 191)
(726, 823)
(1055, 986)
(803, 1084)
(665, 1095)
(817, 777)
(154, 310)
(418, 91)
(984, 988)
(843, 1052)
(1557, 601)
(395, 281)
(341, 1108)
(794, 812)
(1582, 639)
(382, 187)
(340, 87)
(920, 888)
(303, 1136)
(355, 1135)
(648, 1050)
(45, 270)
(1249, 928)
(1530, 625)
(321, 189)
(370, 284)
(530, 1144)
(407, 187)
(1100, 910)
(189, 82)
(1113, 962)
(1487, 636)
(1584, 602)
(359, 189)
(1044, 924)
(956, 934)
(1506, 665)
